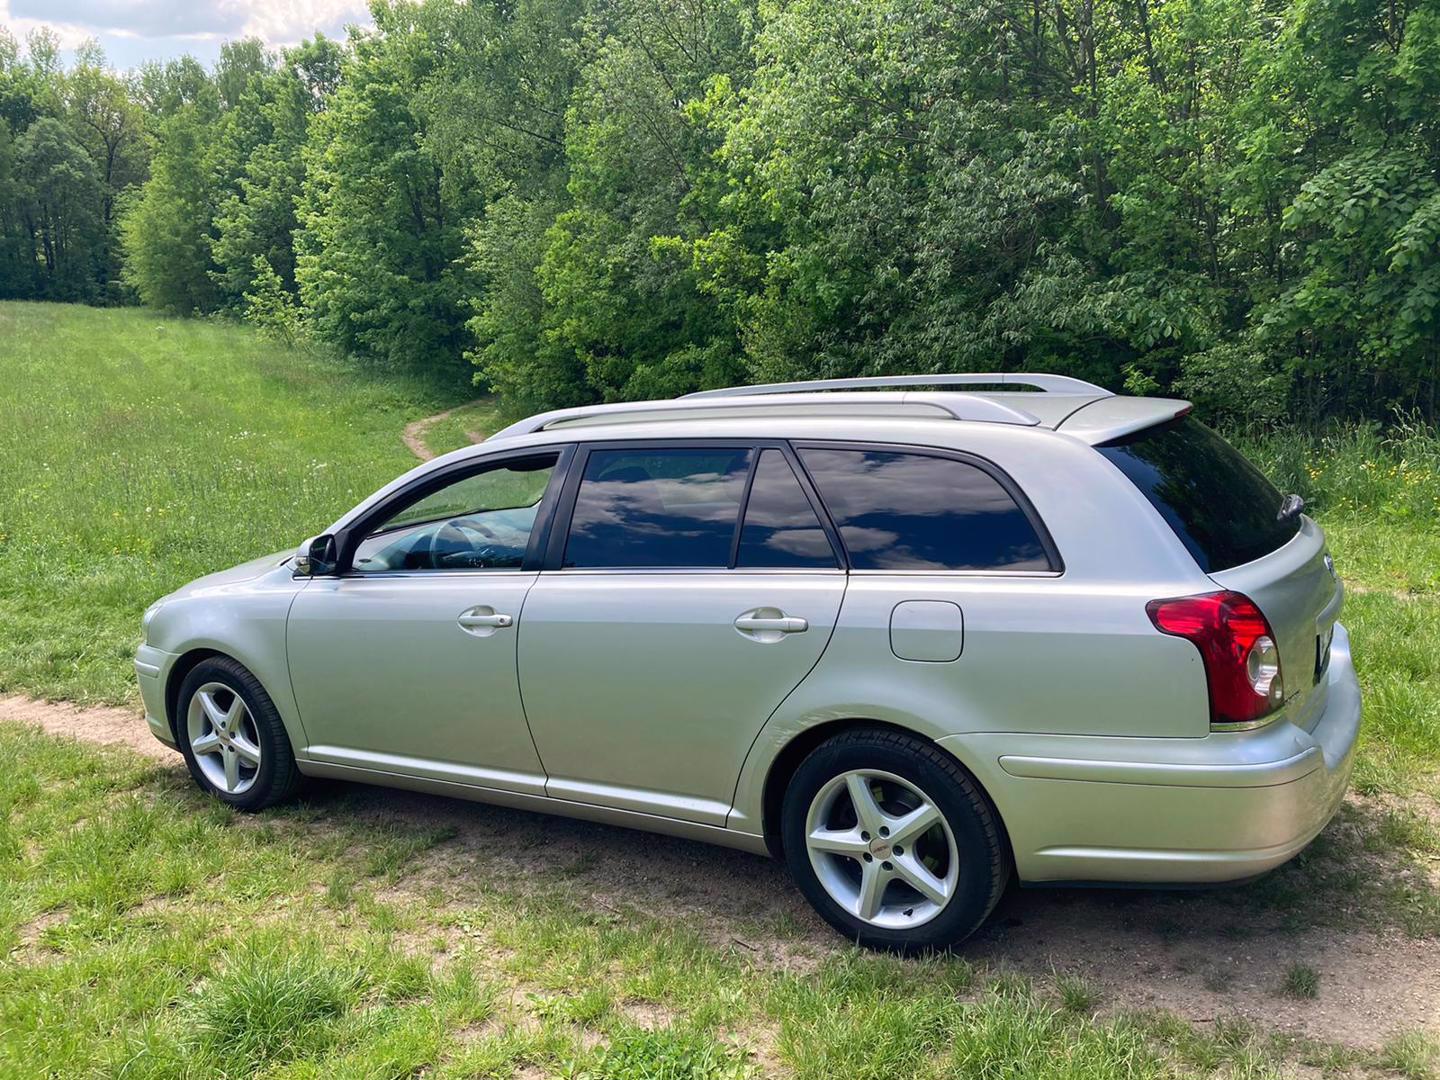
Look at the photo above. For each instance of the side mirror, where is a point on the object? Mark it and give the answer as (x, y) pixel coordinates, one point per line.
(317, 557)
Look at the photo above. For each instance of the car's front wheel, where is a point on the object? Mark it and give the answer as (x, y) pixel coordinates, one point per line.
(232, 737)
(893, 842)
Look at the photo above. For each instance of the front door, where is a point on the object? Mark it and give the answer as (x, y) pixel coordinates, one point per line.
(406, 663)
(672, 624)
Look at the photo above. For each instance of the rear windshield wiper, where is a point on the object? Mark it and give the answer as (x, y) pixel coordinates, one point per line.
(1290, 508)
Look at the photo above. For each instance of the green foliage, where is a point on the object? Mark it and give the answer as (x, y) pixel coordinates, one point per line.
(269, 304)
(63, 192)
(166, 229)
(378, 264)
(1234, 200)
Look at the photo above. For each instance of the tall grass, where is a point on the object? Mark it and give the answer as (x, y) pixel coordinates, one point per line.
(1391, 473)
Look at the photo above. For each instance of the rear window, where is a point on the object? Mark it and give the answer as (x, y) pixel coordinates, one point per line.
(657, 508)
(1221, 507)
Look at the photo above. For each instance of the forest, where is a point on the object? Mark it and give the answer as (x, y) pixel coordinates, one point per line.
(1236, 201)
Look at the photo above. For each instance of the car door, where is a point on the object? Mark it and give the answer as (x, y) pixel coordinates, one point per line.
(689, 587)
(405, 662)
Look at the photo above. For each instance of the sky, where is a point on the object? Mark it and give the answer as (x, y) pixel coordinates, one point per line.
(133, 31)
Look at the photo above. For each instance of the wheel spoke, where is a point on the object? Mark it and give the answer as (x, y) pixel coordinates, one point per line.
(232, 768)
(867, 810)
(213, 712)
(234, 714)
(916, 874)
(837, 841)
(873, 880)
(206, 744)
(246, 749)
(918, 821)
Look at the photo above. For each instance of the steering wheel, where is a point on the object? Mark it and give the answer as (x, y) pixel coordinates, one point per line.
(446, 542)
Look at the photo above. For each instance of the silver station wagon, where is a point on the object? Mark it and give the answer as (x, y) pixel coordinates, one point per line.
(916, 636)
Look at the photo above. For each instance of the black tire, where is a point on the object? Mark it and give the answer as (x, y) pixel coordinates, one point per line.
(277, 779)
(984, 855)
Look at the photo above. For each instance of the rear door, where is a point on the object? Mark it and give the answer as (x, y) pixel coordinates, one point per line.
(689, 588)
(1229, 517)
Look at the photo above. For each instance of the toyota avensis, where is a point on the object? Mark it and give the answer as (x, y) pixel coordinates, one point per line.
(912, 640)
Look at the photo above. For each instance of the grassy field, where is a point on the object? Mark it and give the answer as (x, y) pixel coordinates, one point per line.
(148, 932)
(139, 452)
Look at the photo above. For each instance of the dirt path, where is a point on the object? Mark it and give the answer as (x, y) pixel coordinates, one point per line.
(414, 434)
(1200, 954)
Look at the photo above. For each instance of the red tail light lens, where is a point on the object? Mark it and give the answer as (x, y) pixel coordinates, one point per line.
(1242, 663)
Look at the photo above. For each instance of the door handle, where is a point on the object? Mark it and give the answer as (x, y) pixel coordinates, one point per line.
(783, 624)
(483, 620)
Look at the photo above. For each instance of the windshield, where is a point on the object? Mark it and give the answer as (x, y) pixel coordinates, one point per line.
(1221, 507)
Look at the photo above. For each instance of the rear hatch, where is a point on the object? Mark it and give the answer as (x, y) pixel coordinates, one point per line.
(1230, 518)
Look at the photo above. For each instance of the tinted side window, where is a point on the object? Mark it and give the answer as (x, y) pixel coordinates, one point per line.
(781, 528)
(1220, 506)
(901, 511)
(479, 522)
(657, 508)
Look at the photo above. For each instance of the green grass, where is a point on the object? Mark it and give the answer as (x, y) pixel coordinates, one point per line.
(482, 418)
(1301, 981)
(147, 932)
(140, 452)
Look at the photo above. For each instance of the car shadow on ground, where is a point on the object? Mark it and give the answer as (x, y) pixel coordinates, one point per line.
(1204, 953)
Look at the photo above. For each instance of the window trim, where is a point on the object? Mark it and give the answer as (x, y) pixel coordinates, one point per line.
(985, 465)
(349, 539)
(559, 535)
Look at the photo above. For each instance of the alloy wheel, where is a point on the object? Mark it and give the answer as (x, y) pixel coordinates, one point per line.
(882, 849)
(224, 738)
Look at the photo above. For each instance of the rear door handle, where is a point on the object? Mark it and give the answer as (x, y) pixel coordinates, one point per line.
(784, 624)
(479, 620)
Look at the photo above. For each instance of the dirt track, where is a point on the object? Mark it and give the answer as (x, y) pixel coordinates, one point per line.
(1199, 954)
(414, 434)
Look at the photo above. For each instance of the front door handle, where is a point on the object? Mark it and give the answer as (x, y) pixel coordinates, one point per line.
(483, 621)
(785, 624)
(768, 625)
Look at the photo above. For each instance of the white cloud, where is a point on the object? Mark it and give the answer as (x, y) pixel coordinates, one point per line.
(132, 32)
(284, 22)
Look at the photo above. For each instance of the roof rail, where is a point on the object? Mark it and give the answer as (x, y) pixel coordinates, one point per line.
(694, 407)
(1053, 384)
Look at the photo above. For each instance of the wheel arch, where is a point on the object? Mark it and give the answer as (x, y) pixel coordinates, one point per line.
(179, 670)
(798, 748)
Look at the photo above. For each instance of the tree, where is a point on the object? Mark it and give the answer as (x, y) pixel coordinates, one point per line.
(383, 222)
(99, 109)
(60, 195)
(256, 221)
(166, 230)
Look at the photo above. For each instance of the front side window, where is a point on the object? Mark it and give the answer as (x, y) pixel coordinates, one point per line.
(908, 511)
(482, 521)
(657, 508)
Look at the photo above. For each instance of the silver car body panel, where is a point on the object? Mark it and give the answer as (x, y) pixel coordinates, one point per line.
(648, 707)
(350, 639)
(671, 693)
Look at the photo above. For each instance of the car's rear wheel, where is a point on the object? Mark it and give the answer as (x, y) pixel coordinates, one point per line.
(232, 737)
(893, 842)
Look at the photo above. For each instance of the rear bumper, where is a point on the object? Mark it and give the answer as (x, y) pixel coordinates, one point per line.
(152, 672)
(1221, 808)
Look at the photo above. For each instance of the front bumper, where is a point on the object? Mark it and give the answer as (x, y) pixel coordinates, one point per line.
(1224, 807)
(152, 672)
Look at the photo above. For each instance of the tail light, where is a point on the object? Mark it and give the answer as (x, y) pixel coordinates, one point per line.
(1242, 663)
